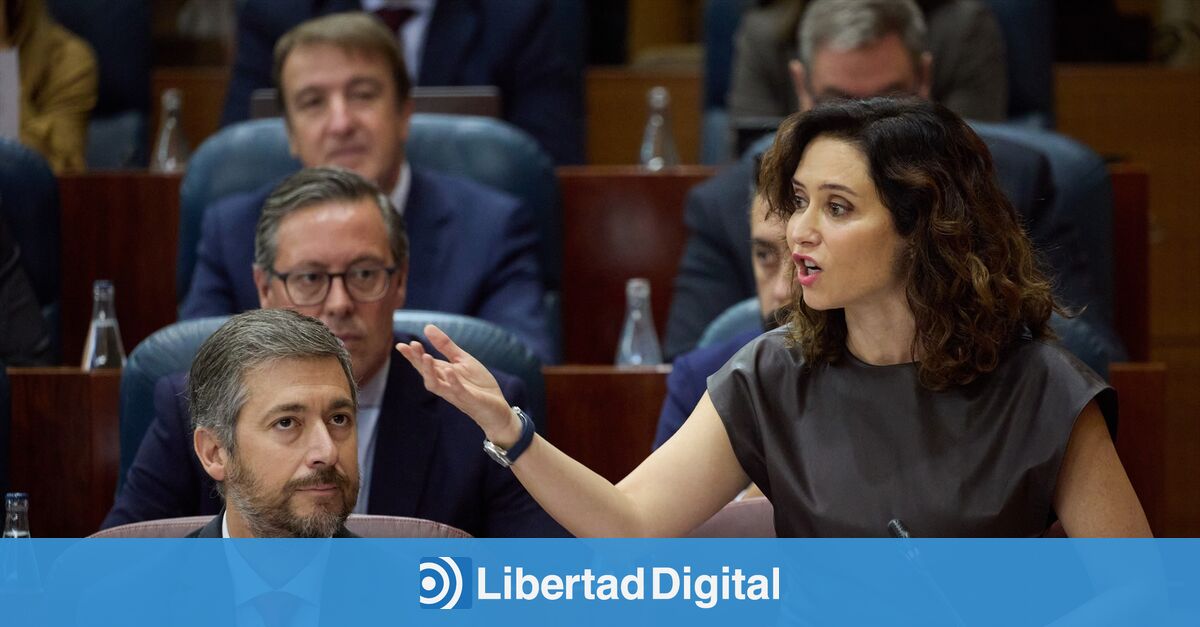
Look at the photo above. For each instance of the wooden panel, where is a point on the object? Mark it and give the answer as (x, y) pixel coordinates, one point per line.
(122, 226)
(617, 112)
(604, 417)
(1131, 250)
(1147, 115)
(1182, 493)
(658, 22)
(65, 447)
(618, 223)
(1141, 434)
(203, 90)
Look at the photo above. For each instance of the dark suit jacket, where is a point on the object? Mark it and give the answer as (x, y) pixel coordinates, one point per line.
(212, 529)
(715, 271)
(688, 382)
(472, 251)
(429, 464)
(524, 47)
(969, 69)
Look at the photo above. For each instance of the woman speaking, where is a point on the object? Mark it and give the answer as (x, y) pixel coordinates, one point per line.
(917, 378)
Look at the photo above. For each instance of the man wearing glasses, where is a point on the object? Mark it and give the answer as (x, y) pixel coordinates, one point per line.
(329, 245)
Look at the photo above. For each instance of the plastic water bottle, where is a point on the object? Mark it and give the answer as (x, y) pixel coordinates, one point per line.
(658, 144)
(103, 348)
(171, 147)
(639, 342)
(16, 515)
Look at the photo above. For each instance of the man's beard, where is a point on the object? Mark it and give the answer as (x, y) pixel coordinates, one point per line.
(269, 515)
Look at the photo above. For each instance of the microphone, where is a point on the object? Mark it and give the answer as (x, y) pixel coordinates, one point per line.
(897, 529)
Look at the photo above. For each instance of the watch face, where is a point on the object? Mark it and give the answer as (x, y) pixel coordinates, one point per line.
(496, 453)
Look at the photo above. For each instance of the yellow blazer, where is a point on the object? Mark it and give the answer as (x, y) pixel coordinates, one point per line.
(58, 89)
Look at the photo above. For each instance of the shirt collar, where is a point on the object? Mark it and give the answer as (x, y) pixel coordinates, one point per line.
(248, 585)
(416, 5)
(370, 395)
(399, 195)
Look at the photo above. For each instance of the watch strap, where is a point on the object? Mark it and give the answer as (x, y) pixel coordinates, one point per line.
(506, 457)
(523, 442)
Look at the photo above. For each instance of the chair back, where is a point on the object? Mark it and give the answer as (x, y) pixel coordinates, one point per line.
(493, 346)
(747, 518)
(499, 155)
(172, 348)
(240, 158)
(1093, 344)
(29, 207)
(117, 141)
(245, 156)
(739, 318)
(365, 525)
(166, 351)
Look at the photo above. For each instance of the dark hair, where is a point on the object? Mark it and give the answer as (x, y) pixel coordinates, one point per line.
(312, 186)
(216, 386)
(353, 32)
(973, 283)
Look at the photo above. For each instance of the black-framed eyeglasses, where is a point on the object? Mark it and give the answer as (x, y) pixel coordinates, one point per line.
(365, 284)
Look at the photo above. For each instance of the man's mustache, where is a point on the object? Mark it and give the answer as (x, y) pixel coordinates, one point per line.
(326, 475)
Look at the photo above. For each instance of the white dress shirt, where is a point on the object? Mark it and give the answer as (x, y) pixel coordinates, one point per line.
(248, 585)
(370, 397)
(399, 195)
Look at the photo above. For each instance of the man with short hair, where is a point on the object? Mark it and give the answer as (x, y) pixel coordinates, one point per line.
(345, 96)
(970, 78)
(529, 49)
(274, 405)
(882, 55)
(774, 280)
(329, 244)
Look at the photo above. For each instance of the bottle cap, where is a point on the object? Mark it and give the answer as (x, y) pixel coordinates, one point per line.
(172, 99)
(637, 287)
(659, 97)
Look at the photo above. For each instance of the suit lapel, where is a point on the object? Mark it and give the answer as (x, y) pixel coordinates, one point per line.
(210, 530)
(404, 447)
(451, 30)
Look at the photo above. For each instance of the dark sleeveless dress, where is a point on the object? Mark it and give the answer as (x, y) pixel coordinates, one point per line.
(841, 449)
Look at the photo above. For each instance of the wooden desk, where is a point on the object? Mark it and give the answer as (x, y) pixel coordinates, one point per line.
(618, 223)
(64, 447)
(123, 226)
(1131, 253)
(65, 433)
(1142, 435)
(604, 416)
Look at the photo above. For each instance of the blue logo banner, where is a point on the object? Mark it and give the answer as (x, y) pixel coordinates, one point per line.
(599, 582)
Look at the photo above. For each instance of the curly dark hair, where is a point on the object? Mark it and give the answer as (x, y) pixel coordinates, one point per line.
(974, 284)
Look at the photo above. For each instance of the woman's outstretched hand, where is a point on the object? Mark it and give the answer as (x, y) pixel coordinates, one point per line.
(464, 383)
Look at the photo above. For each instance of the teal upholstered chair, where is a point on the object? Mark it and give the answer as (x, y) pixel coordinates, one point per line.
(171, 349)
(245, 156)
(1084, 339)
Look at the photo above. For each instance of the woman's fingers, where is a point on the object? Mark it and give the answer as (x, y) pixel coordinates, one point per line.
(443, 343)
